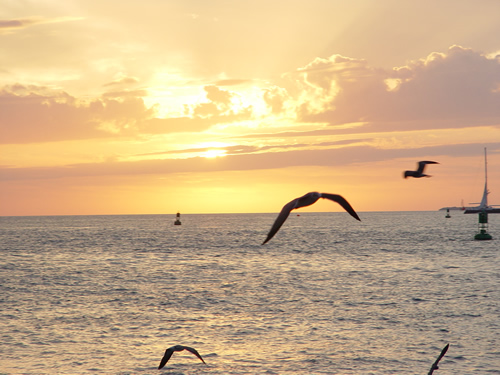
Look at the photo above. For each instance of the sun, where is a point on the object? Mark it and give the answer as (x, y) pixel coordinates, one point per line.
(214, 153)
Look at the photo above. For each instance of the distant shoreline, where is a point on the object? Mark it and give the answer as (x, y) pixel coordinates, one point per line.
(453, 208)
(213, 213)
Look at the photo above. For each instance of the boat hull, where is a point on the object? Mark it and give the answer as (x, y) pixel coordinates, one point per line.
(478, 210)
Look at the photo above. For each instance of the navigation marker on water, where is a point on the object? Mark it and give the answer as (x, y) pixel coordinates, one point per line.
(482, 233)
(178, 219)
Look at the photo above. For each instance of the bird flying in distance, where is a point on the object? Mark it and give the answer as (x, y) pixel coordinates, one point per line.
(307, 200)
(177, 348)
(420, 170)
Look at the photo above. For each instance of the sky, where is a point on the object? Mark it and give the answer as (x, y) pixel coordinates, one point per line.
(198, 106)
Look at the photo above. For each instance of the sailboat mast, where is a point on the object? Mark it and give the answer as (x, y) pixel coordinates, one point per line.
(483, 205)
(485, 168)
(484, 201)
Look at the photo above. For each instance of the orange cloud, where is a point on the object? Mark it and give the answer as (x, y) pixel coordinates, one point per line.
(18, 23)
(218, 109)
(37, 114)
(245, 159)
(460, 85)
(10, 25)
(124, 81)
(455, 89)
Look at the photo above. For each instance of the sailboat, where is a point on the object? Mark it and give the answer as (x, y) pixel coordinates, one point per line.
(483, 205)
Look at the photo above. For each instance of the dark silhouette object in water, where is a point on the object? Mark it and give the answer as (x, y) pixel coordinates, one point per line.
(420, 171)
(178, 219)
(307, 200)
(435, 364)
(177, 348)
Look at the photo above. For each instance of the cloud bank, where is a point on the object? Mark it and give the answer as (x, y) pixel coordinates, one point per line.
(241, 160)
(458, 88)
(454, 89)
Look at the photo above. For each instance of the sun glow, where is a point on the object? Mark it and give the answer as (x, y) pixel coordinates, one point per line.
(214, 153)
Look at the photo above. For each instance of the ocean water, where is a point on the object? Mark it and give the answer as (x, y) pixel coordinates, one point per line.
(327, 295)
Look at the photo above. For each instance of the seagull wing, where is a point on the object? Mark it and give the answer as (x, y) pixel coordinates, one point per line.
(435, 364)
(423, 163)
(166, 357)
(345, 204)
(283, 215)
(421, 167)
(195, 352)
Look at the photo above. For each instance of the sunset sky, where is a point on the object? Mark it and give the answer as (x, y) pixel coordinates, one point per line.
(159, 106)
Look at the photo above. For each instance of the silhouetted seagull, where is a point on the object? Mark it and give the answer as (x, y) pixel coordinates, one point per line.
(307, 200)
(435, 364)
(420, 171)
(177, 348)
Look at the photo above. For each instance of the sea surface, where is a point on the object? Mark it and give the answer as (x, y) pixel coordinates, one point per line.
(327, 295)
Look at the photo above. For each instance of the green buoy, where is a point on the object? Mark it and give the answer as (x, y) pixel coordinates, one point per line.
(178, 219)
(483, 227)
